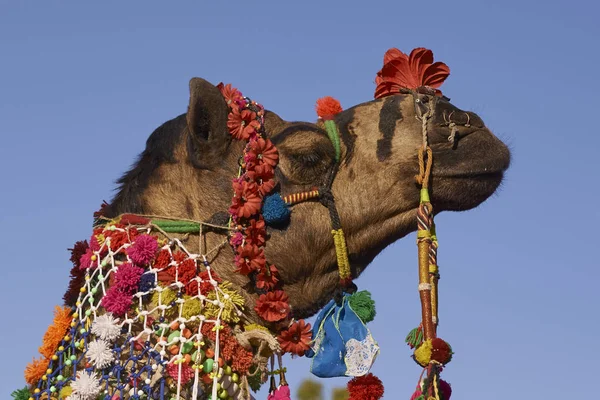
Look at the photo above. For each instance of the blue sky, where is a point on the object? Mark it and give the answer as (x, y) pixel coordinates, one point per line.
(83, 85)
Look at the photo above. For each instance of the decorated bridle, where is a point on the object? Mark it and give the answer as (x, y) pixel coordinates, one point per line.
(340, 343)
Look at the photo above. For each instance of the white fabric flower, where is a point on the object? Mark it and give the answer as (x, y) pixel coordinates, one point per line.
(106, 327)
(85, 386)
(99, 354)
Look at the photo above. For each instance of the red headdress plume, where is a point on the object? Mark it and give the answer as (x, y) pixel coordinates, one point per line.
(409, 72)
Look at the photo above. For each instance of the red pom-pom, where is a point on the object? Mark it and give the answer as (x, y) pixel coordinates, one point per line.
(368, 387)
(327, 107)
(441, 351)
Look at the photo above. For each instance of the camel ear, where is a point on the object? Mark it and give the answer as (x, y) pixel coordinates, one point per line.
(208, 138)
(273, 123)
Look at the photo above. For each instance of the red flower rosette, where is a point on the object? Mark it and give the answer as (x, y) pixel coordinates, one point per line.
(231, 95)
(246, 201)
(273, 306)
(249, 258)
(255, 233)
(242, 124)
(296, 339)
(261, 151)
(267, 278)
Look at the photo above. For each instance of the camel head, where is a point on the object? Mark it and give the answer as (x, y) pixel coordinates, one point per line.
(189, 162)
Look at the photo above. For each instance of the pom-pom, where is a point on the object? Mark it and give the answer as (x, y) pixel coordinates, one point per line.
(415, 337)
(143, 250)
(433, 350)
(21, 394)
(327, 107)
(367, 387)
(274, 210)
(363, 305)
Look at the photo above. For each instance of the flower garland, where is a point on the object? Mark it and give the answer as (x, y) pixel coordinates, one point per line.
(254, 182)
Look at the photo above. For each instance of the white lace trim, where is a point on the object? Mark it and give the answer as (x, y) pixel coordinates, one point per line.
(360, 355)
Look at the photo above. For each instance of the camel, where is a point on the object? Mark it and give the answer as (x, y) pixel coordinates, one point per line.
(186, 169)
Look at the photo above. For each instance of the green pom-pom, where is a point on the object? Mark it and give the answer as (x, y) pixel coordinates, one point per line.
(363, 305)
(21, 394)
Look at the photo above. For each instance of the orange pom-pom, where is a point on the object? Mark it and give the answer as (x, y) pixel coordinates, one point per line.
(35, 370)
(327, 107)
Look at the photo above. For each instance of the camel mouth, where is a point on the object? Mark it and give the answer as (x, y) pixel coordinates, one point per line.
(467, 174)
(483, 175)
(477, 155)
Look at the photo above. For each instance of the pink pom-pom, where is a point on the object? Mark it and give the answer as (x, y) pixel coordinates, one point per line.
(116, 302)
(143, 250)
(85, 261)
(127, 277)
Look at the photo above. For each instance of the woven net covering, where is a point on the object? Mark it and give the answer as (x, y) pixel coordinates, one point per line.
(151, 321)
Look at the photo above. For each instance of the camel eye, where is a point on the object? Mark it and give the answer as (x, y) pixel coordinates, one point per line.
(307, 159)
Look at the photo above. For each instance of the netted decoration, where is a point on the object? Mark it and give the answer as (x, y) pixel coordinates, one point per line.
(152, 321)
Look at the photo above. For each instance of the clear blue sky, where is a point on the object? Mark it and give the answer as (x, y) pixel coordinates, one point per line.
(82, 86)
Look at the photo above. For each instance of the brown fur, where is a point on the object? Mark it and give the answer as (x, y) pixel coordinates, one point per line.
(375, 190)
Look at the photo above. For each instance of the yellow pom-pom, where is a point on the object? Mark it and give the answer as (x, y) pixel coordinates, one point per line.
(65, 392)
(191, 307)
(423, 353)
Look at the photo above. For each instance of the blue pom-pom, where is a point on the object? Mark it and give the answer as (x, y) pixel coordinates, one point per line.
(274, 210)
(146, 282)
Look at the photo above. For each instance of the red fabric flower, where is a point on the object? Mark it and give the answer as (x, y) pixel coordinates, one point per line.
(246, 200)
(412, 71)
(273, 306)
(249, 258)
(296, 339)
(263, 176)
(231, 94)
(267, 278)
(367, 387)
(262, 151)
(242, 124)
(256, 232)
